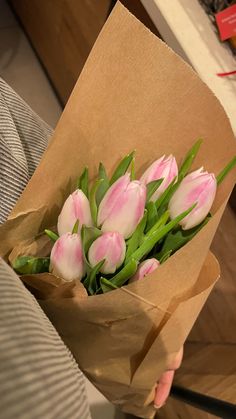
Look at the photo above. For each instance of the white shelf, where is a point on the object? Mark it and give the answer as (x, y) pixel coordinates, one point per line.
(186, 28)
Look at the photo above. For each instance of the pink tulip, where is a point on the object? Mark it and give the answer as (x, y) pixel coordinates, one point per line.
(111, 247)
(163, 168)
(76, 207)
(66, 259)
(123, 206)
(200, 187)
(145, 268)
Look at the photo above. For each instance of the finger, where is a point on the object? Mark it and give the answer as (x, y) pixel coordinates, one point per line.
(163, 388)
(165, 382)
(176, 362)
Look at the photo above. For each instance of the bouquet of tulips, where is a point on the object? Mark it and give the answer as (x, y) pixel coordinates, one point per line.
(121, 229)
(126, 221)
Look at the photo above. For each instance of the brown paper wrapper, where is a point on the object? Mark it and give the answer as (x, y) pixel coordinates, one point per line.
(134, 93)
(123, 342)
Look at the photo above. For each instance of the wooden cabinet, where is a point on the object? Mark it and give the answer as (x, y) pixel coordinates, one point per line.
(62, 32)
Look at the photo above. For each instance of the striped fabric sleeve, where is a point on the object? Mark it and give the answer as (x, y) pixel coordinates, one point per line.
(23, 139)
(38, 375)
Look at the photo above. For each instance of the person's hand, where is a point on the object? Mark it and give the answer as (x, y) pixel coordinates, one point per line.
(165, 382)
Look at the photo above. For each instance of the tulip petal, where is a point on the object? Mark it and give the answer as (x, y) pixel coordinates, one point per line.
(145, 268)
(131, 202)
(199, 187)
(111, 247)
(164, 168)
(66, 260)
(76, 207)
(111, 198)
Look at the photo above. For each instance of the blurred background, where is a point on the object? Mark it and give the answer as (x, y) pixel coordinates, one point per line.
(43, 47)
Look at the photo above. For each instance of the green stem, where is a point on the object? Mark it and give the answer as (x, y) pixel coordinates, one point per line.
(122, 167)
(83, 182)
(76, 227)
(148, 244)
(189, 159)
(92, 200)
(53, 236)
(226, 170)
(161, 222)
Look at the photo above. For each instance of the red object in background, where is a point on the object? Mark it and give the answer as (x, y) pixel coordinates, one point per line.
(229, 73)
(226, 22)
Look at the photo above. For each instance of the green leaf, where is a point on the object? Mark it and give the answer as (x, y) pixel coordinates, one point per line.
(106, 285)
(151, 241)
(53, 236)
(83, 181)
(178, 238)
(31, 265)
(90, 281)
(189, 159)
(159, 223)
(135, 240)
(88, 235)
(122, 167)
(226, 170)
(151, 215)
(152, 187)
(132, 170)
(93, 201)
(104, 186)
(165, 256)
(76, 227)
(122, 277)
(165, 197)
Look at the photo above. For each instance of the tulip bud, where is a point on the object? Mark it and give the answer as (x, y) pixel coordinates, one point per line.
(145, 268)
(111, 247)
(123, 206)
(76, 207)
(197, 187)
(66, 258)
(163, 168)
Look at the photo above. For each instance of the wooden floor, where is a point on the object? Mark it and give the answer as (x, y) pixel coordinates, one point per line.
(209, 364)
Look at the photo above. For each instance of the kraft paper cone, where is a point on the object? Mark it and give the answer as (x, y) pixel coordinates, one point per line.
(123, 341)
(133, 93)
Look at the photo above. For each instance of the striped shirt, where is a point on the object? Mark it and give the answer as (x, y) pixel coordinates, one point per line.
(38, 375)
